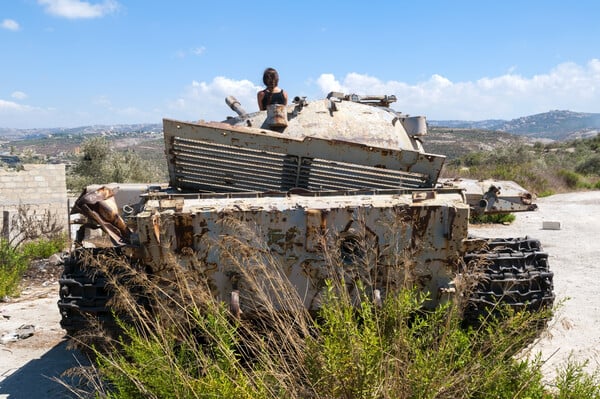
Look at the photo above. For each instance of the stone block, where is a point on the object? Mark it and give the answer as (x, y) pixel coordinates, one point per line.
(550, 225)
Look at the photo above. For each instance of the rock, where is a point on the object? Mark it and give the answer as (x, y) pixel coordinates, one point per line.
(55, 260)
(23, 332)
(550, 225)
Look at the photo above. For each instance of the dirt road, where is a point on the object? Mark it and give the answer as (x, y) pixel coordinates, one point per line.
(27, 366)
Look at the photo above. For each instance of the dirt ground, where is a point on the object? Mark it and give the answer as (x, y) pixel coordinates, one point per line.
(27, 366)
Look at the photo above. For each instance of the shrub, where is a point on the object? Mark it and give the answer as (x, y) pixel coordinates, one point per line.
(589, 166)
(100, 164)
(12, 266)
(493, 218)
(573, 382)
(33, 235)
(571, 179)
(546, 193)
(42, 248)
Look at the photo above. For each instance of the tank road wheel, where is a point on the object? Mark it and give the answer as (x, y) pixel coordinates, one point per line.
(516, 274)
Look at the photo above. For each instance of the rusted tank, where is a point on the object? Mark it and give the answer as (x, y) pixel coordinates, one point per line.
(346, 175)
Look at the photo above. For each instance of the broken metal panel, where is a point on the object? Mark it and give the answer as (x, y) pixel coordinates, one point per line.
(368, 235)
(218, 157)
(493, 196)
(100, 207)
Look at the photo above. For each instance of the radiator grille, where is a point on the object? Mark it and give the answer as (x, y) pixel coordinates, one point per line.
(213, 167)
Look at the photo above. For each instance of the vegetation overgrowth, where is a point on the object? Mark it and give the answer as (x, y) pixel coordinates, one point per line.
(544, 169)
(181, 341)
(12, 266)
(31, 235)
(14, 261)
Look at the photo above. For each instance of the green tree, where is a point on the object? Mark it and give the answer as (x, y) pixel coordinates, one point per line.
(100, 164)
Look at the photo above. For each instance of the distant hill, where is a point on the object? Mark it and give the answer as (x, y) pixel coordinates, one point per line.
(555, 125)
(28, 134)
(458, 142)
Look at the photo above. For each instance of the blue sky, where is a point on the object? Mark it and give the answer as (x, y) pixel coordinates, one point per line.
(68, 63)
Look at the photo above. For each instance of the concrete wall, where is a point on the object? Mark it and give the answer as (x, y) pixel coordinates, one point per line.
(39, 187)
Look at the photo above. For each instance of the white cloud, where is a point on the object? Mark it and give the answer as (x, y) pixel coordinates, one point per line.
(198, 50)
(9, 109)
(99, 111)
(10, 24)
(567, 86)
(11, 106)
(16, 115)
(571, 86)
(206, 100)
(328, 83)
(75, 9)
(102, 101)
(19, 95)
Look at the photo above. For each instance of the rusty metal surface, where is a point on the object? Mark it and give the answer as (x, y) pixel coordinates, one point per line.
(327, 144)
(493, 196)
(334, 119)
(214, 157)
(400, 228)
(100, 207)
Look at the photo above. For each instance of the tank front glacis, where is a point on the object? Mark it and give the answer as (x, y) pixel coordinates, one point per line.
(347, 176)
(371, 234)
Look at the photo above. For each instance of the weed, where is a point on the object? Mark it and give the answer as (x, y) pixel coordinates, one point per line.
(12, 266)
(42, 248)
(571, 179)
(493, 218)
(31, 235)
(573, 382)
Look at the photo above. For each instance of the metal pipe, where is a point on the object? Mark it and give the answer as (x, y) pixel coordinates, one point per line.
(235, 105)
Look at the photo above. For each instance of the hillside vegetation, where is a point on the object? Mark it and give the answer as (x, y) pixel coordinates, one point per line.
(555, 125)
(544, 169)
(100, 162)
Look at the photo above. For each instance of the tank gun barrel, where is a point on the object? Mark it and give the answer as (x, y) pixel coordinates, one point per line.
(235, 105)
(380, 100)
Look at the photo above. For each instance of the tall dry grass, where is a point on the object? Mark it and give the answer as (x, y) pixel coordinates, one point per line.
(179, 340)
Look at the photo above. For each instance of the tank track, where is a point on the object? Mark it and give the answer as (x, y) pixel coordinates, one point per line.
(84, 296)
(516, 274)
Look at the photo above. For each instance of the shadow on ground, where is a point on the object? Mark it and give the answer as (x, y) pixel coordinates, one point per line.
(35, 378)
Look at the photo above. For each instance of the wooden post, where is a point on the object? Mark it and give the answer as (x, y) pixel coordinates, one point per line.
(5, 225)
